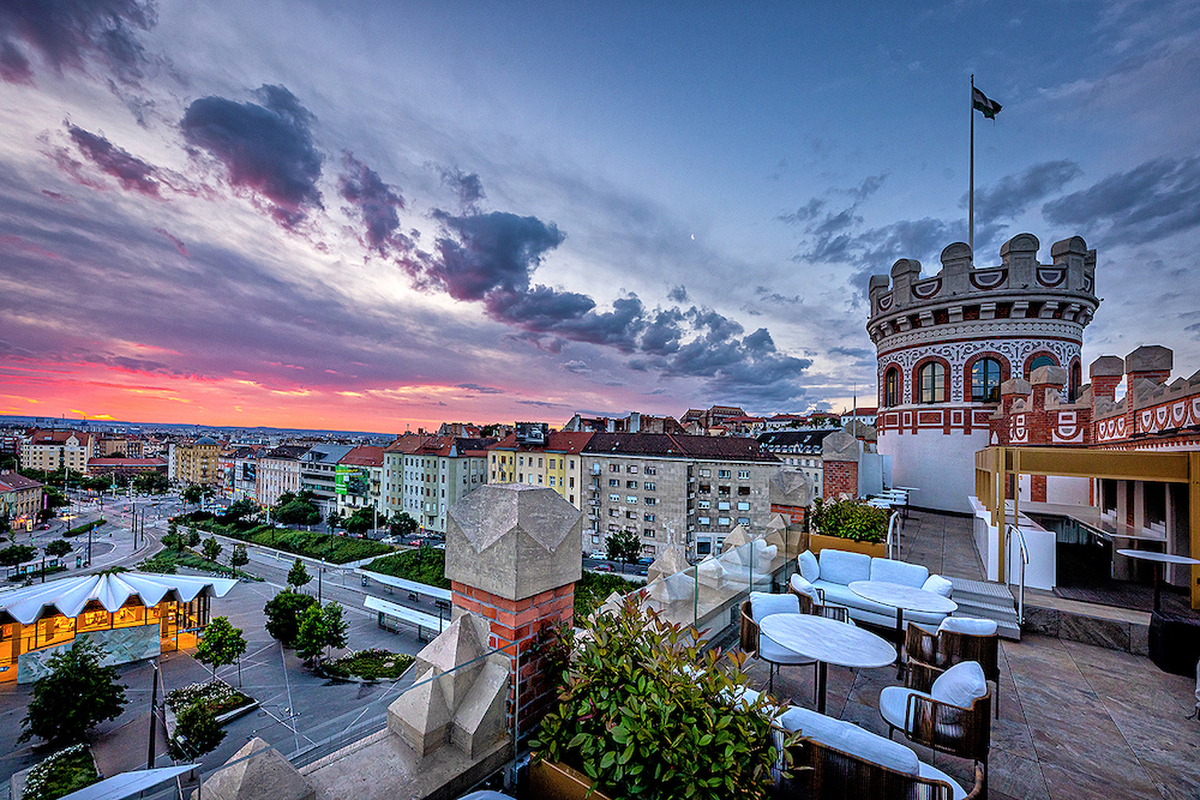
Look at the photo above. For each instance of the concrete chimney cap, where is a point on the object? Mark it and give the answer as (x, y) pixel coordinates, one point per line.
(1048, 376)
(1150, 358)
(1021, 243)
(1075, 244)
(1107, 366)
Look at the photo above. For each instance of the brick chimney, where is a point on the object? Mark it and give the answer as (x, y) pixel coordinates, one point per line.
(1151, 362)
(839, 456)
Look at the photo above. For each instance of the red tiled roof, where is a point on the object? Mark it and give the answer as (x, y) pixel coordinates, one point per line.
(364, 456)
(14, 481)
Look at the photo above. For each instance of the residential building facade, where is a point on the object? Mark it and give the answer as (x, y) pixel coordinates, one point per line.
(318, 474)
(535, 456)
(48, 450)
(358, 480)
(196, 462)
(800, 450)
(438, 473)
(20, 499)
(278, 471)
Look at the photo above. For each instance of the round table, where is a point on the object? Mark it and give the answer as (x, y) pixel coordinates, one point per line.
(903, 598)
(1158, 559)
(828, 642)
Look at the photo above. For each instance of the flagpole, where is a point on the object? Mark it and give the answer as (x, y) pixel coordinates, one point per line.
(971, 193)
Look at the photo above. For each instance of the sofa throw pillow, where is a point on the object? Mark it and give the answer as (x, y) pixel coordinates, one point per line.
(939, 585)
(809, 567)
(844, 567)
(804, 587)
(960, 685)
(764, 604)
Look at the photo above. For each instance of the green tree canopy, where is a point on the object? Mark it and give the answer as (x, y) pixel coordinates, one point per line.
(192, 495)
(362, 520)
(283, 615)
(624, 545)
(76, 696)
(151, 483)
(298, 576)
(17, 554)
(320, 629)
(212, 548)
(404, 525)
(238, 557)
(58, 548)
(221, 645)
(241, 508)
(196, 732)
(298, 511)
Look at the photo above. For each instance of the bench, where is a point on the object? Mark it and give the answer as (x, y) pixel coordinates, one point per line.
(421, 620)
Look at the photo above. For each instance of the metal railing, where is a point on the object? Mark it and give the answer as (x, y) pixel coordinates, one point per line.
(893, 536)
(1021, 572)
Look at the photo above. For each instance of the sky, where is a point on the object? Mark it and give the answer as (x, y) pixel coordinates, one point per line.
(372, 216)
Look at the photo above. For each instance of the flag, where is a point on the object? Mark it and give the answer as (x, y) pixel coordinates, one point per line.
(981, 102)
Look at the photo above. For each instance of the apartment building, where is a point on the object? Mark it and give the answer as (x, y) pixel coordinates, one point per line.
(196, 462)
(535, 456)
(20, 499)
(318, 474)
(437, 473)
(800, 450)
(48, 451)
(689, 491)
(358, 480)
(278, 471)
(243, 481)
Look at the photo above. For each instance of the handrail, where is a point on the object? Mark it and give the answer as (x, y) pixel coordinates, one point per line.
(892, 537)
(1024, 562)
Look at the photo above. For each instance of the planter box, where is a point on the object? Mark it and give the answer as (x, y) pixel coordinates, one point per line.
(819, 541)
(552, 779)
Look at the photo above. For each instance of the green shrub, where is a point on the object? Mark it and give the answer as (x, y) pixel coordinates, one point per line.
(594, 588)
(372, 665)
(428, 567)
(648, 711)
(850, 519)
(84, 528)
(64, 772)
(314, 544)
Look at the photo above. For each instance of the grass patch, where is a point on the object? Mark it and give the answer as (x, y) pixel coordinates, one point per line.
(37, 573)
(429, 567)
(314, 544)
(62, 773)
(84, 528)
(371, 665)
(594, 588)
(167, 562)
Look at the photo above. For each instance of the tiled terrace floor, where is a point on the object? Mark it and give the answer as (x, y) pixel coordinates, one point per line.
(1076, 721)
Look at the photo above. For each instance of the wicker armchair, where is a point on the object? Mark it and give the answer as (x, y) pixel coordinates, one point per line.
(820, 772)
(748, 641)
(930, 653)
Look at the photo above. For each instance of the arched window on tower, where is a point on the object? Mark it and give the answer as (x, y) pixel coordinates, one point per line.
(1076, 382)
(931, 381)
(985, 381)
(891, 387)
(1041, 361)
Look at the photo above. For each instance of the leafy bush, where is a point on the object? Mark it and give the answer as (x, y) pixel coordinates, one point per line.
(215, 695)
(647, 711)
(74, 697)
(196, 732)
(314, 544)
(373, 664)
(593, 588)
(64, 772)
(426, 565)
(84, 528)
(850, 519)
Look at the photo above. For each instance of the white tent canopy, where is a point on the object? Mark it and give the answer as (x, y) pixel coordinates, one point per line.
(112, 590)
(127, 784)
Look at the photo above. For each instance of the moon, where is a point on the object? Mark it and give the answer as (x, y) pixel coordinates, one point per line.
(693, 237)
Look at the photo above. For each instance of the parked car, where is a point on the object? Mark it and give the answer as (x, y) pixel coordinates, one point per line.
(599, 555)
(645, 561)
(603, 568)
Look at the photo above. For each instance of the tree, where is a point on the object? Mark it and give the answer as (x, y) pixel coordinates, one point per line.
(241, 508)
(192, 495)
(196, 732)
(334, 520)
(624, 546)
(151, 483)
(298, 576)
(212, 548)
(238, 557)
(192, 538)
(58, 548)
(404, 525)
(320, 629)
(299, 510)
(77, 695)
(220, 645)
(283, 615)
(362, 520)
(17, 554)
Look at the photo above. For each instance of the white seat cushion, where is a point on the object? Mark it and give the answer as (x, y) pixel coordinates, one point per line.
(939, 585)
(885, 569)
(960, 685)
(818, 727)
(934, 774)
(969, 626)
(809, 568)
(770, 650)
(879, 750)
(893, 705)
(841, 566)
(764, 604)
(799, 584)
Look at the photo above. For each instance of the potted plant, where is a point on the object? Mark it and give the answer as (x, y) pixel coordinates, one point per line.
(646, 710)
(848, 525)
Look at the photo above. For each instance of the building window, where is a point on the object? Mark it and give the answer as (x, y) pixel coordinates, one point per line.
(703, 504)
(743, 474)
(651, 470)
(648, 533)
(630, 484)
(723, 521)
(706, 473)
(1076, 382)
(614, 467)
(891, 390)
(614, 498)
(705, 488)
(723, 505)
(633, 469)
(743, 507)
(631, 499)
(614, 482)
(702, 520)
(650, 501)
(648, 486)
(932, 382)
(613, 512)
(1041, 361)
(723, 473)
(744, 491)
(630, 515)
(743, 520)
(648, 517)
(985, 381)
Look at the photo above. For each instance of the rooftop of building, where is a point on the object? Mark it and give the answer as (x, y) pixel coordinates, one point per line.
(363, 456)
(801, 439)
(556, 442)
(668, 445)
(15, 481)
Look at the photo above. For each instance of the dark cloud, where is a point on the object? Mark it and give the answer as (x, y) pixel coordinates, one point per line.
(374, 202)
(467, 186)
(540, 404)
(1152, 201)
(131, 172)
(852, 352)
(1015, 193)
(266, 148)
(776, 297)
(475, 387)
(678, 295)
(663, 333)
(804, 213)
(578, 367)
(69, 33)
(175, 240)
(495, 252)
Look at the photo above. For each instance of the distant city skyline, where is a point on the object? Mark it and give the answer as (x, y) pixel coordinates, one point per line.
(355, 216)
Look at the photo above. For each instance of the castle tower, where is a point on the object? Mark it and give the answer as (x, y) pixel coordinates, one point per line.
(946, 343)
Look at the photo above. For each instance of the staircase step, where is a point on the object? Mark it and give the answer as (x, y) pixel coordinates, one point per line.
(988, 600)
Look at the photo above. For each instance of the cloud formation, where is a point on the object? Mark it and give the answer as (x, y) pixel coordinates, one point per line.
(1013, 194)
(467, 186)
(66, 34)
(1154, 200)
(131, 172)
(267, 149)
(374, 202)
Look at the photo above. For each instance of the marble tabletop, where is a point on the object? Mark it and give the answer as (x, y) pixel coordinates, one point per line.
(827, 640)
(1162, 558)
(898, 595)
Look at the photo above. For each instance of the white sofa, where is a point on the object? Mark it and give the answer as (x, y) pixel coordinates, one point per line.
(833, 571)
